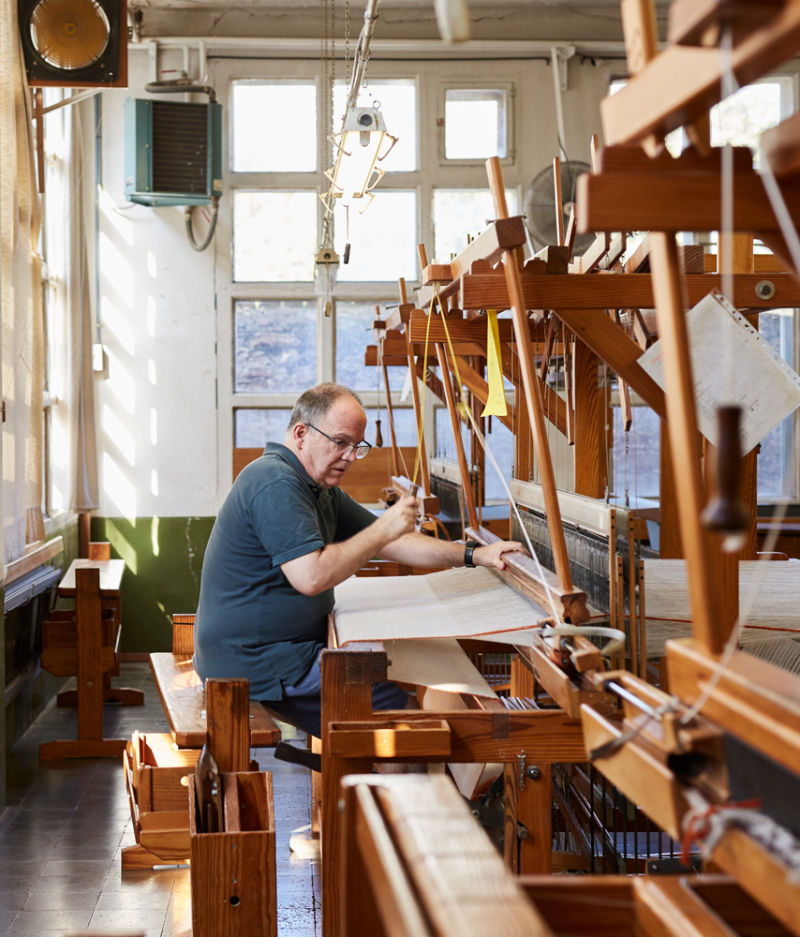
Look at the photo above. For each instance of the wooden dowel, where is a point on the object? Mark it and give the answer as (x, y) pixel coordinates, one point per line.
(683, 435)
(559, 210)
(533, 394)
(441, 356)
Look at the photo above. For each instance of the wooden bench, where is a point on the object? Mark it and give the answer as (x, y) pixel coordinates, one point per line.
(183, 697)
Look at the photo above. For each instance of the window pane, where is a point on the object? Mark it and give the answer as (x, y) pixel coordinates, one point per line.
(635, 456)
(405, 428)
(445, 447)
(255, 428)
(461, 212)
(274, 236)
(743, 117)
(353, 333)
(775, 455)
(383, 238)
(275, 346)
(397, 102)
(289, 111)
(475, 123)
(500, 441)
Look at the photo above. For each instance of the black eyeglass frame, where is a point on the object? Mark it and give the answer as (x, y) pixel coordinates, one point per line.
(361, 449)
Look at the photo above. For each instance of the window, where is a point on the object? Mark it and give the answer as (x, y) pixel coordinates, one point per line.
(277, 334)
(274, 235)
(475, 123)
(288, 110)
(276, 347)
(459, 213)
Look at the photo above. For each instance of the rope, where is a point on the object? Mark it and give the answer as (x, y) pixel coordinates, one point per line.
(705, 824)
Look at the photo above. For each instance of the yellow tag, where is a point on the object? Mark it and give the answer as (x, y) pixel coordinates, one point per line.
(496, 401)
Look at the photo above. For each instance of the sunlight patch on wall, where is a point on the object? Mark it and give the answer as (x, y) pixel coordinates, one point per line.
(150, 316)
(117, 272)
(122, 545)
(114, 322)
(151, 371)
(118, 435)
(151, 264)
(154, 533)
(114, 217)
(120, 491)
(154, 482)
(120, 383)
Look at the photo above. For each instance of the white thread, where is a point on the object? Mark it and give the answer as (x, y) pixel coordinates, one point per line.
(615, 635)
(511, 501)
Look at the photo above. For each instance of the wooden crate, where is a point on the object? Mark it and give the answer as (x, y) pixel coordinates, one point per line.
(158, 794)
(233, 872)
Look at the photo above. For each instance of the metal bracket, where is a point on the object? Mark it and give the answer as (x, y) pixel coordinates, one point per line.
(560, 56)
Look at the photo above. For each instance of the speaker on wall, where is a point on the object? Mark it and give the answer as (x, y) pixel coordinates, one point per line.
(77, 43)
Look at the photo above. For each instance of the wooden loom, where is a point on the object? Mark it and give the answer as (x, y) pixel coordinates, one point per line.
(748, 710)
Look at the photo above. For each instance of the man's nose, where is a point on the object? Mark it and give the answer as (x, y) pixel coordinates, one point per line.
(350, 455)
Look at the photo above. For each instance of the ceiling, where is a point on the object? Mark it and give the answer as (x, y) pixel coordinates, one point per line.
(533, 20)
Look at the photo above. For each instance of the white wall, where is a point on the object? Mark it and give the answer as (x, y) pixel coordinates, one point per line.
(155, 401)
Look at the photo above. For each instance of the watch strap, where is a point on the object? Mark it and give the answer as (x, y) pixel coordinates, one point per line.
(469, 548)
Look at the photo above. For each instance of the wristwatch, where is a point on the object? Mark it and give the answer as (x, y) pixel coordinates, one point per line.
(469, 548)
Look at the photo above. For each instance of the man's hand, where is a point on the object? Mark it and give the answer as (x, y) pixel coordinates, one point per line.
(400, 518)
(491, 555)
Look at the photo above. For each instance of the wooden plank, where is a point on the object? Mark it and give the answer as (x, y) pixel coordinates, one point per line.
(671, 202)
(35, 555)
(640, 776)
(756, 701)
(523, 574)
(110, 573)
(391, 738)
(184, 702)
(501, 234)
(613, 291)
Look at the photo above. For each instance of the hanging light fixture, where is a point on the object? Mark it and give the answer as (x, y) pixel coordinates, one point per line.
(362, 144)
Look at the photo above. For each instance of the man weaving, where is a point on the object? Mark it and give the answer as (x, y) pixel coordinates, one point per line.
(284, 537)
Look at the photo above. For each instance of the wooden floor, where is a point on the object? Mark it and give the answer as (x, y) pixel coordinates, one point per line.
(66, 821)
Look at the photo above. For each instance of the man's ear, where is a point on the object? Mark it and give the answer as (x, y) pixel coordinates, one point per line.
(299, 433)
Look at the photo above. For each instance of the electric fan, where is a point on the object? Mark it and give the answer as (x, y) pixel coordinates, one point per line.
(539, 205)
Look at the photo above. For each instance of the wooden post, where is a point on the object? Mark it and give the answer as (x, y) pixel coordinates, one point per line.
(347, 679)
(711, 622)
(533, 394)
(589, 450)
(472, 513)
(228, 719)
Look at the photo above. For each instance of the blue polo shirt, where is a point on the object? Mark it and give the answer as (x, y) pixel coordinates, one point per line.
(250, 621)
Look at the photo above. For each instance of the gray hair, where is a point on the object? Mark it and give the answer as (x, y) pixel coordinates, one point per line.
(312, 405)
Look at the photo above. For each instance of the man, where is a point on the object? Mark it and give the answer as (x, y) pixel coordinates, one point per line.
(285, 536)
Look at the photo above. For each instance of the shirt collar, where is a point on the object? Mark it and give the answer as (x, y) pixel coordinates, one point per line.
(283, 452)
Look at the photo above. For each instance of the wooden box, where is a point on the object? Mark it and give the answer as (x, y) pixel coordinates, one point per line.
(233, 873)
(155, 774)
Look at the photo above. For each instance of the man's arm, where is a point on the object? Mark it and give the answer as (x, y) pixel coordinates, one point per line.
(322, 569)
(414, 549)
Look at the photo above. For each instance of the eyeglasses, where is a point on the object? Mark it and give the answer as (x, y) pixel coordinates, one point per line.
(342, 446)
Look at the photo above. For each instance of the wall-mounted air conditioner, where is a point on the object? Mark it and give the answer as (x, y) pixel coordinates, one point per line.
(173, 152)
